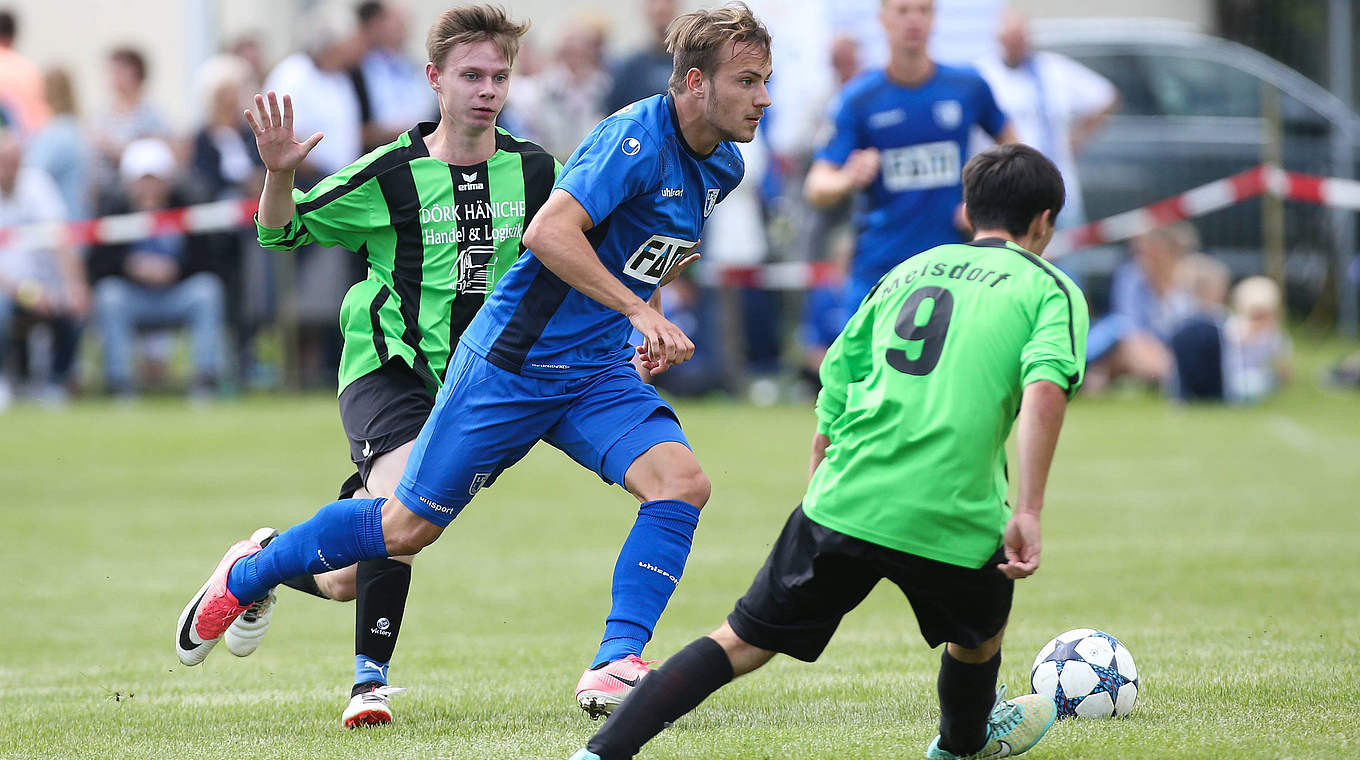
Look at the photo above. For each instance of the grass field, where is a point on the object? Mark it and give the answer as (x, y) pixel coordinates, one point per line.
(1218, 544)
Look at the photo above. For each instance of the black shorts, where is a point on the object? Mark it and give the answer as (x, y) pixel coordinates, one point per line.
(381, 411)
(814, 575)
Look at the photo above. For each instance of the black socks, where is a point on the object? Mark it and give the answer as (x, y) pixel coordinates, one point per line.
(967, 693)
(664, 695)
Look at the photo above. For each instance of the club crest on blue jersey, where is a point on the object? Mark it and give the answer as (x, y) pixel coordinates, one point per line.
(948, 113)
(711, 201)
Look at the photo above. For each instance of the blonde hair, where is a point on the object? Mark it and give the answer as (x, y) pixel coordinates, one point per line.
(59, 91)
(1205, 278)
(474, 23)
(696, 39)
(1256, 294)
(1179, 235)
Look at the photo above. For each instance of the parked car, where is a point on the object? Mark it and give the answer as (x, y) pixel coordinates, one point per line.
(1191, 113)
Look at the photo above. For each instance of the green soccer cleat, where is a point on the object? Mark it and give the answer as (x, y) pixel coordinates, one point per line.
(1014, 726)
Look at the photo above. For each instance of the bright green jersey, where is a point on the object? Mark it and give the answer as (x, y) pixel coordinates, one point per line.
(920, 391)
(437, 238)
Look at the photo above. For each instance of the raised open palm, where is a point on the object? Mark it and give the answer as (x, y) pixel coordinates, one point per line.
(273, 127)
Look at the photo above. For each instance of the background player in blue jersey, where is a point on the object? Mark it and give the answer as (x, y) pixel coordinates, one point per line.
(547, 358)
(901, 136)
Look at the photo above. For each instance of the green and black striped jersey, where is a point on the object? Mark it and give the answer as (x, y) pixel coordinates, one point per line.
(437, 238)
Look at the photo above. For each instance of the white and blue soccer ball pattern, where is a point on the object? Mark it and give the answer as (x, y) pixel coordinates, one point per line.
(1087, 673)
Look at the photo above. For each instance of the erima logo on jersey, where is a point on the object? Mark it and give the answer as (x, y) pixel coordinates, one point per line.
(650, 262)
(630, 146)
(368, 450)
(470, 182)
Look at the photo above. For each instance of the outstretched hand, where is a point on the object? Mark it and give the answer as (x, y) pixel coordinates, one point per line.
(273, 127)
(1021, 544)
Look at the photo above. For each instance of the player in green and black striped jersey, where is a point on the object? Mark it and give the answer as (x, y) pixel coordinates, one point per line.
(438, 213)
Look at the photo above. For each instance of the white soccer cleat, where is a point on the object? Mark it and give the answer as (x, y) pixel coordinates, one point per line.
(246, 633)
(601, 690)
(370, 708)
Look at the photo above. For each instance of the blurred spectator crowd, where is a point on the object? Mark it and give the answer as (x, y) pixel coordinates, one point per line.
(208, 313)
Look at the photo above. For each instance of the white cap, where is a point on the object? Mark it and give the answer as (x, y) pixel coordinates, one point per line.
(149, 155)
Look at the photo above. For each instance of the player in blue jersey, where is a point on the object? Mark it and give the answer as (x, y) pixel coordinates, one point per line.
(901, 137)
(547, 358)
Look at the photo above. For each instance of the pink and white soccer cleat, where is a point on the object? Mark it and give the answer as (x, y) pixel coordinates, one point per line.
(212, 610)
(601, 690)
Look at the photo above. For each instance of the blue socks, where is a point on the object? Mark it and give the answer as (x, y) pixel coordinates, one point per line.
(367, 670)
(649, 567)
(340, 534)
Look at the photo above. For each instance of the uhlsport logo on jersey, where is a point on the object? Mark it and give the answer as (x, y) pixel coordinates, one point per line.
(710, 201)
(948, 113)
(470, 182)
(630, 146)
(650, 262)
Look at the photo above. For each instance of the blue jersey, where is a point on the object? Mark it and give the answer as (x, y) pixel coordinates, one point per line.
(648, 194)
(921, 133)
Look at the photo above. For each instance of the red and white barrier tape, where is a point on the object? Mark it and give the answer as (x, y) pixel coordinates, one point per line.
(789, 275)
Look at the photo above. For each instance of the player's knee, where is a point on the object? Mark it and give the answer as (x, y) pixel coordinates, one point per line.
(338, 585)
(689, 484)
(404, 532)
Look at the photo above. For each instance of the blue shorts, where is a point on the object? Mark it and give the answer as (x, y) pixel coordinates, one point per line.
(485, 419)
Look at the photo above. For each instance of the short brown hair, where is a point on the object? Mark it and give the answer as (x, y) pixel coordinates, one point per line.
(474, 23)
(696, 39)
(133, 59)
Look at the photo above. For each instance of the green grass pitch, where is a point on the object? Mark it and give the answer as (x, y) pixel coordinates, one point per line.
(1218, 544)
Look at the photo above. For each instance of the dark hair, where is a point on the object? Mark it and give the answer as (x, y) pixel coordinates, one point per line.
(8, 26)
(369, 10)
(696, 39)
(133, 58)
(1007, 186)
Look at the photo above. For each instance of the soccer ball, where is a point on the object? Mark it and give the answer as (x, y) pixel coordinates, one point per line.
(1087, 673)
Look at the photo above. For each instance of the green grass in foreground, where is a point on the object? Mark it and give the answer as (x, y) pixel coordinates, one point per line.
(1218, 544)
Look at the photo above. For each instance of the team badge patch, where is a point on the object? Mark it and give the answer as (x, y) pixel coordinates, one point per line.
(948, 113)
(478, 481)
(710, 201)
(630, 146)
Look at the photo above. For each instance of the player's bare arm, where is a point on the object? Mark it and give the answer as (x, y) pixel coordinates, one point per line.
(557, 236)
(828, 184)
(1041, 416)
(820, 442)
(281, 154)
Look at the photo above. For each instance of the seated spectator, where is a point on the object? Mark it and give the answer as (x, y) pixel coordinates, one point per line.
(148, 283)
(1132, 340)
(40, 283)
(1197, 338)
(1258, 353)
(226, 167)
